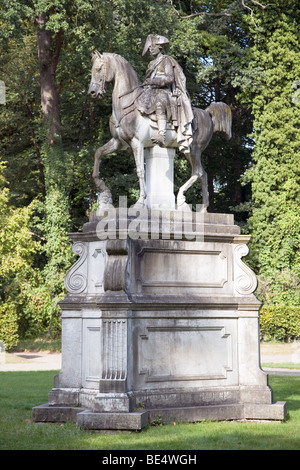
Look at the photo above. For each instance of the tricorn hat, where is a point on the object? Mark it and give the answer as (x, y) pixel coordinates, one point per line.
(153, 40)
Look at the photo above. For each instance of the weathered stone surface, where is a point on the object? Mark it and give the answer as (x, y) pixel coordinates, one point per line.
(275, 411)
(160, 176)
(137, 420)
(53, 414)
(113, 421)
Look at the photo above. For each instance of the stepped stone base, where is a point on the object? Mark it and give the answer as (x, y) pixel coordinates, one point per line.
(160, 329)
(136, 421)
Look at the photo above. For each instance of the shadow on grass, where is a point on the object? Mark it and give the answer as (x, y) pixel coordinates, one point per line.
(286, 388)
(21, 391)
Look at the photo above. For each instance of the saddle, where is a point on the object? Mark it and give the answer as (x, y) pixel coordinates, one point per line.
(144, 100)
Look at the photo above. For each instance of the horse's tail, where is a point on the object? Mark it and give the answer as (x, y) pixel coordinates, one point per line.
(221, 117)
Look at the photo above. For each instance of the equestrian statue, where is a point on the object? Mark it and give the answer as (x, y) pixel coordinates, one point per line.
(155, 112)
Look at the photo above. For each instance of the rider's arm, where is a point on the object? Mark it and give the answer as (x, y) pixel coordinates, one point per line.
(164, 75)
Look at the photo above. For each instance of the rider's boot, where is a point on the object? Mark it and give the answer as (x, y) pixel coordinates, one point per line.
(160, 140)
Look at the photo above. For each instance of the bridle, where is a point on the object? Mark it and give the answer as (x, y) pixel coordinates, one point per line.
(101, 85)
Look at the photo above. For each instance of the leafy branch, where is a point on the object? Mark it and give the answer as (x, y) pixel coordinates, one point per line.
(201, 13)
(251, 10)
(226, 14)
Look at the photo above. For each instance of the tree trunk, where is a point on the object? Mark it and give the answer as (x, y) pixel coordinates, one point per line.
(48, 52)
(49, 47)
(57, 217)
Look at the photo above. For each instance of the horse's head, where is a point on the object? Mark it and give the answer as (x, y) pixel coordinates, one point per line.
(97, 88)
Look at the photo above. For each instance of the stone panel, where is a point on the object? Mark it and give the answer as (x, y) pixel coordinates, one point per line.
(185, 353)
(180, 353)
(167, 267)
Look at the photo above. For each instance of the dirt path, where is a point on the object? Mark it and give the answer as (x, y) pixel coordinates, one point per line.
(280, 352)
(24, 361)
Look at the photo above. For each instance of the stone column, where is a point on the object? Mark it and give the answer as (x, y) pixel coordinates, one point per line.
(160, 177)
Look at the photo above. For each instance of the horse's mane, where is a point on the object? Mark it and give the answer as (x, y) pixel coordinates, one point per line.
(121, 60)
(118, 57)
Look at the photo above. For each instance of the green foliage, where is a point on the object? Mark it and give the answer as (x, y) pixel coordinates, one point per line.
(17, 250)
(40, 312)
(8, 325)
(20, 119)
(30, 294)
(280, 322)
(45, 289)
(213, 51)
(274, 62)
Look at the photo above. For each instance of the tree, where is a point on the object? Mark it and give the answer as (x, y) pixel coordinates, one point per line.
(274, 68)
(216, 41)
(49, 22)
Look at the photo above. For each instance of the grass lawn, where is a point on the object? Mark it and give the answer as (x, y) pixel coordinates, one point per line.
(21, 391)
(39, 344)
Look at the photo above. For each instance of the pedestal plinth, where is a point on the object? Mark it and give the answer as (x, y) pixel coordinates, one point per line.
(164, 328)
(159, 177)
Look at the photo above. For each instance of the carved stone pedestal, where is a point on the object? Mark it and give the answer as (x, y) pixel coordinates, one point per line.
(160, 328)
(159, 177)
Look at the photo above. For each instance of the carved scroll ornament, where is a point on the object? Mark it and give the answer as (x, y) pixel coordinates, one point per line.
(76, 278)
(245, 281)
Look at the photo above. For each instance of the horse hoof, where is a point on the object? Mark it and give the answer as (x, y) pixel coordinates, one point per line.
(184, 207)
(105, 197)
(159, 141)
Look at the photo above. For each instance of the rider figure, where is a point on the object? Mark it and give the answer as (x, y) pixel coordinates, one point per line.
(165, 94)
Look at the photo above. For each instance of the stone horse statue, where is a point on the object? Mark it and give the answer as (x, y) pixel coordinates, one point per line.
(130, 129)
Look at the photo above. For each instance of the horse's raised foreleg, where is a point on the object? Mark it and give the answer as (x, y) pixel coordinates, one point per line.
(105, 198)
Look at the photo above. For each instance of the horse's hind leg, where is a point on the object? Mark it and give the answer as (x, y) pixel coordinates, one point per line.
(181, 204)
(105, 195)
(205, 194)
(198, 172)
